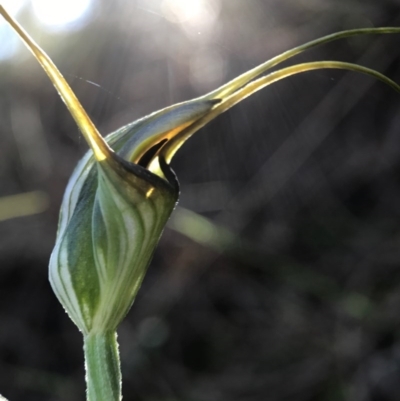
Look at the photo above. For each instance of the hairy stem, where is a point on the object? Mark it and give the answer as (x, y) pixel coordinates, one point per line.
(103, 373)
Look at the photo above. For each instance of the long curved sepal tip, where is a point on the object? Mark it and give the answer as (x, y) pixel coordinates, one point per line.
(99, 146)
(171, 147)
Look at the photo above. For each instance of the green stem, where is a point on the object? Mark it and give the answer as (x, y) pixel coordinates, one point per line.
(103, 373)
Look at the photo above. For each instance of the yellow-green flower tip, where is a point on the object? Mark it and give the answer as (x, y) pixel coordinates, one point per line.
(123, 191)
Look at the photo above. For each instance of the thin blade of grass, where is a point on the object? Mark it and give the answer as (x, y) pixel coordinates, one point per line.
(21, 205)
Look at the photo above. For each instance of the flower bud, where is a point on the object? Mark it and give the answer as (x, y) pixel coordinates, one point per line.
(123, 191)
(111, 219)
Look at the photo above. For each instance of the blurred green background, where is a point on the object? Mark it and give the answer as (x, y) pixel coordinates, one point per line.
(279, 276)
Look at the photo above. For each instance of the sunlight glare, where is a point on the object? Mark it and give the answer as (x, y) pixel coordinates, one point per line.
(195, 13)
(207, 69)
(10, 42)
(61, 14)
(13, 6)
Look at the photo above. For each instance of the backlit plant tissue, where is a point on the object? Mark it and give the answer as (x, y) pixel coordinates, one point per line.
(121, 195)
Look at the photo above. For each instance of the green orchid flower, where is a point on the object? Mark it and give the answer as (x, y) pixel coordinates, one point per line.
(121, 195)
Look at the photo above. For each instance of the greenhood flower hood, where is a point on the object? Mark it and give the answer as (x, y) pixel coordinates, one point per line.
(123, 191)
(121, 195)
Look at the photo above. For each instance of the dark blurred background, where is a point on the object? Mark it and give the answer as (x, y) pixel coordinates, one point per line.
(279, 276)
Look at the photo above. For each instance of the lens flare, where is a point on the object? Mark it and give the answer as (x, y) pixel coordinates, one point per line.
(62, 14)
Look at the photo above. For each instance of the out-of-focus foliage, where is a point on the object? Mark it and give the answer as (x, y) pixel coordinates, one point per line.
(295, 294)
